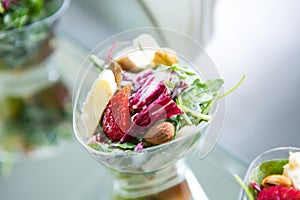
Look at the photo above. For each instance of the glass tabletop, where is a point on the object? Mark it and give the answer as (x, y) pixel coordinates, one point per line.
(71, 173)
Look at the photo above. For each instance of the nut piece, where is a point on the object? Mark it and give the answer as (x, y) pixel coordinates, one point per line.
(164, 58)
(277, 180)
(160, 133)
(117, 70)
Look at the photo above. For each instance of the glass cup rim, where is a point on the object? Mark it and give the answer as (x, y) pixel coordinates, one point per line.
(58, 13)
(254, 162)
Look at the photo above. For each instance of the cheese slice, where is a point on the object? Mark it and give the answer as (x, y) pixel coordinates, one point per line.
(292, 169)
(97, 99)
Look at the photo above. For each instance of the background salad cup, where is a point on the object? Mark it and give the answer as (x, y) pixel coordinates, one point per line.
(28, 44)
(274, 154)
(140, 174)
(35, 105)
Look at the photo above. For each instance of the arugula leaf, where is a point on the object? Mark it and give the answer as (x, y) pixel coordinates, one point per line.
(206, 91)
(99, 147)
(183, 71)
(180, 72)
(125, 145)
(197, 100)
(233, 88)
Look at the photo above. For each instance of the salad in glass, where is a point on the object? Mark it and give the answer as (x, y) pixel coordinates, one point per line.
(145, 97)
(143, 101)
(275, 174)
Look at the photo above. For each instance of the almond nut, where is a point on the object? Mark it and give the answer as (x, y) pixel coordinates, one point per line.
(277, 180)
(160, 133)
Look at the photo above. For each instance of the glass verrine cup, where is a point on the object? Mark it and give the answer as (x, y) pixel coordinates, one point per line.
(34, 101)
(278, 154)
(160, 170)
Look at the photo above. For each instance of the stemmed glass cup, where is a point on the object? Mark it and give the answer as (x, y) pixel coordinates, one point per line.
(158, 172)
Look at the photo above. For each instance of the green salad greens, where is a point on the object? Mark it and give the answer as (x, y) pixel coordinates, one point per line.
(19, 13)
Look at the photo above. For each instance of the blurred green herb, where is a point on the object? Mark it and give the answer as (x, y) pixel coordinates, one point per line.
(17, 13)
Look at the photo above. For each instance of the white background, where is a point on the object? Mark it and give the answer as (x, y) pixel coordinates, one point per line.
(259, 39)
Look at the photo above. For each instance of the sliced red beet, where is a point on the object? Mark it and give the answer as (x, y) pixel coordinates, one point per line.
(116, 116)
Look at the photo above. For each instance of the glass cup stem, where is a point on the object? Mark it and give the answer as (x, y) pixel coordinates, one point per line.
(167, 183)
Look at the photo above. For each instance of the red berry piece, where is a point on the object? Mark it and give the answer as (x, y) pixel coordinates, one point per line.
(279, 193)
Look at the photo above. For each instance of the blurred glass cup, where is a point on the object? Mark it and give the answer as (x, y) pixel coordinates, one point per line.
(28, 46)
(34, 109)
(279, 153)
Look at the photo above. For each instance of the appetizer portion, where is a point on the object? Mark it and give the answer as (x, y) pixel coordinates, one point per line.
(277, 179)
(145, 97)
